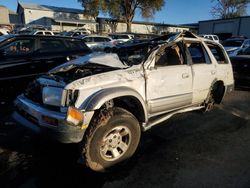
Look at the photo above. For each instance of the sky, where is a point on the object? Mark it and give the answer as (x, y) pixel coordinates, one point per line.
(174, 11)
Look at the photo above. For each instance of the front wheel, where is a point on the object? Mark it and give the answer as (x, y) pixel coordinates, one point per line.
(112, 138)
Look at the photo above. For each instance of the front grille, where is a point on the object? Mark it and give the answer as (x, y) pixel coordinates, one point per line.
(34, 92)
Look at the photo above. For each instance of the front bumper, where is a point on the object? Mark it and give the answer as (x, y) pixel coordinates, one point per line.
(31, 115)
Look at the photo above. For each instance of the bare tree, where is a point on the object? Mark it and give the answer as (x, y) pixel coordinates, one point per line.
(229, 8)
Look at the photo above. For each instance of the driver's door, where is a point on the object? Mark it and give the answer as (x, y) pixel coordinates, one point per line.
(169, 82)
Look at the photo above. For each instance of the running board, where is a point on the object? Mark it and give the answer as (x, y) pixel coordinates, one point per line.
(162, 118)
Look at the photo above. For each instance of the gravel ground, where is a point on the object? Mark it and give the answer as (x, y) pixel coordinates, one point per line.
(189, 150)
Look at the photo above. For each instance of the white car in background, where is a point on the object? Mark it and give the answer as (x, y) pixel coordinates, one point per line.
(214, 38)
(3, 31)
(99, 43)
(122, 37)
(235, 46)
(42, 32)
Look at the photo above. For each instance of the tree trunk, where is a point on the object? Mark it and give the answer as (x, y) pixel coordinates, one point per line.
(129, 23)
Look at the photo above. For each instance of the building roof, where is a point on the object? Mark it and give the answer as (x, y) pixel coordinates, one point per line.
(34, 6)
(145, 23)
(225, 19)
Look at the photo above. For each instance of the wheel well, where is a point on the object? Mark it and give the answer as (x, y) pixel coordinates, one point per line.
(130, 104)
(218, 91)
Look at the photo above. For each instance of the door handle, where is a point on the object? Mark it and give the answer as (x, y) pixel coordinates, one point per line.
(213, 72)
(185, 75)
(50, 61)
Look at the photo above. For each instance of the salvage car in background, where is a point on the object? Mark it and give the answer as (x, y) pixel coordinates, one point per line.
(104, 101)
(214, 38)
(235, 46)
(23, 57)
(121, 37)
(241, 69)
(99, 43)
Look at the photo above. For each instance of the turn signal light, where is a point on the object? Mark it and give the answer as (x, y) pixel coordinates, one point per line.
(74, 116)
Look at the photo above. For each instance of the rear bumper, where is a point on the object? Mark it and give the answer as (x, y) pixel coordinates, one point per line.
(229, 88)
(31, 115)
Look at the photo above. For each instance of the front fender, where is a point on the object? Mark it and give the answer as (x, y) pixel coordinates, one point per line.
(96, 100)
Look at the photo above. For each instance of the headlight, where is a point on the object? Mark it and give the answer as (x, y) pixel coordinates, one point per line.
(52, 96)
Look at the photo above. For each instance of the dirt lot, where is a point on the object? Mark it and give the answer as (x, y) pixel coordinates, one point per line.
(189, 150)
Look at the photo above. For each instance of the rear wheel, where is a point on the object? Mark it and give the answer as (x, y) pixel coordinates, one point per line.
(215, 96)
(112, 138)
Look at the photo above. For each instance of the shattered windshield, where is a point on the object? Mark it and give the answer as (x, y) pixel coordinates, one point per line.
(135, 54)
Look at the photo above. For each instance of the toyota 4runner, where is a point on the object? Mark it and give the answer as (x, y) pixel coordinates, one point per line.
(104, 101)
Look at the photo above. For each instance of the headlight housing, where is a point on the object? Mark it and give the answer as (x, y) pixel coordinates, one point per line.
(52, 96)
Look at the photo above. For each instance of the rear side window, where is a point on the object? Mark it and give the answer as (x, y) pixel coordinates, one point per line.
(39, 33)
(123, 37)
(51, 45)
(48, 33)
(218, 53)
(198, 53)
(19, 47)
(119, 37)
(210, 37)
(100, 39)
(76, 45)
(76, 34)
(216, 38)
(88, 39)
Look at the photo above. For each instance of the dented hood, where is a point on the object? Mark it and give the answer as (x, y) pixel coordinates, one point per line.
(110, 60)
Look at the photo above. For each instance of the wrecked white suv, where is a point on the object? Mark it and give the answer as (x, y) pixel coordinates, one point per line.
(104, 101)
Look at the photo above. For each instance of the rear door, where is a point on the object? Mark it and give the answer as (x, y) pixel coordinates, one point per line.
(51, 53)
(204, 70)
(169, 82)
(223, 67)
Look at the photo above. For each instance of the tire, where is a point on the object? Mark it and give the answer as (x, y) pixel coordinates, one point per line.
(113, 137)
(215, 97)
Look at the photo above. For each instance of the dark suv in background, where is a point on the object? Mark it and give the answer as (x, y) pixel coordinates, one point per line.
(23, 57)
